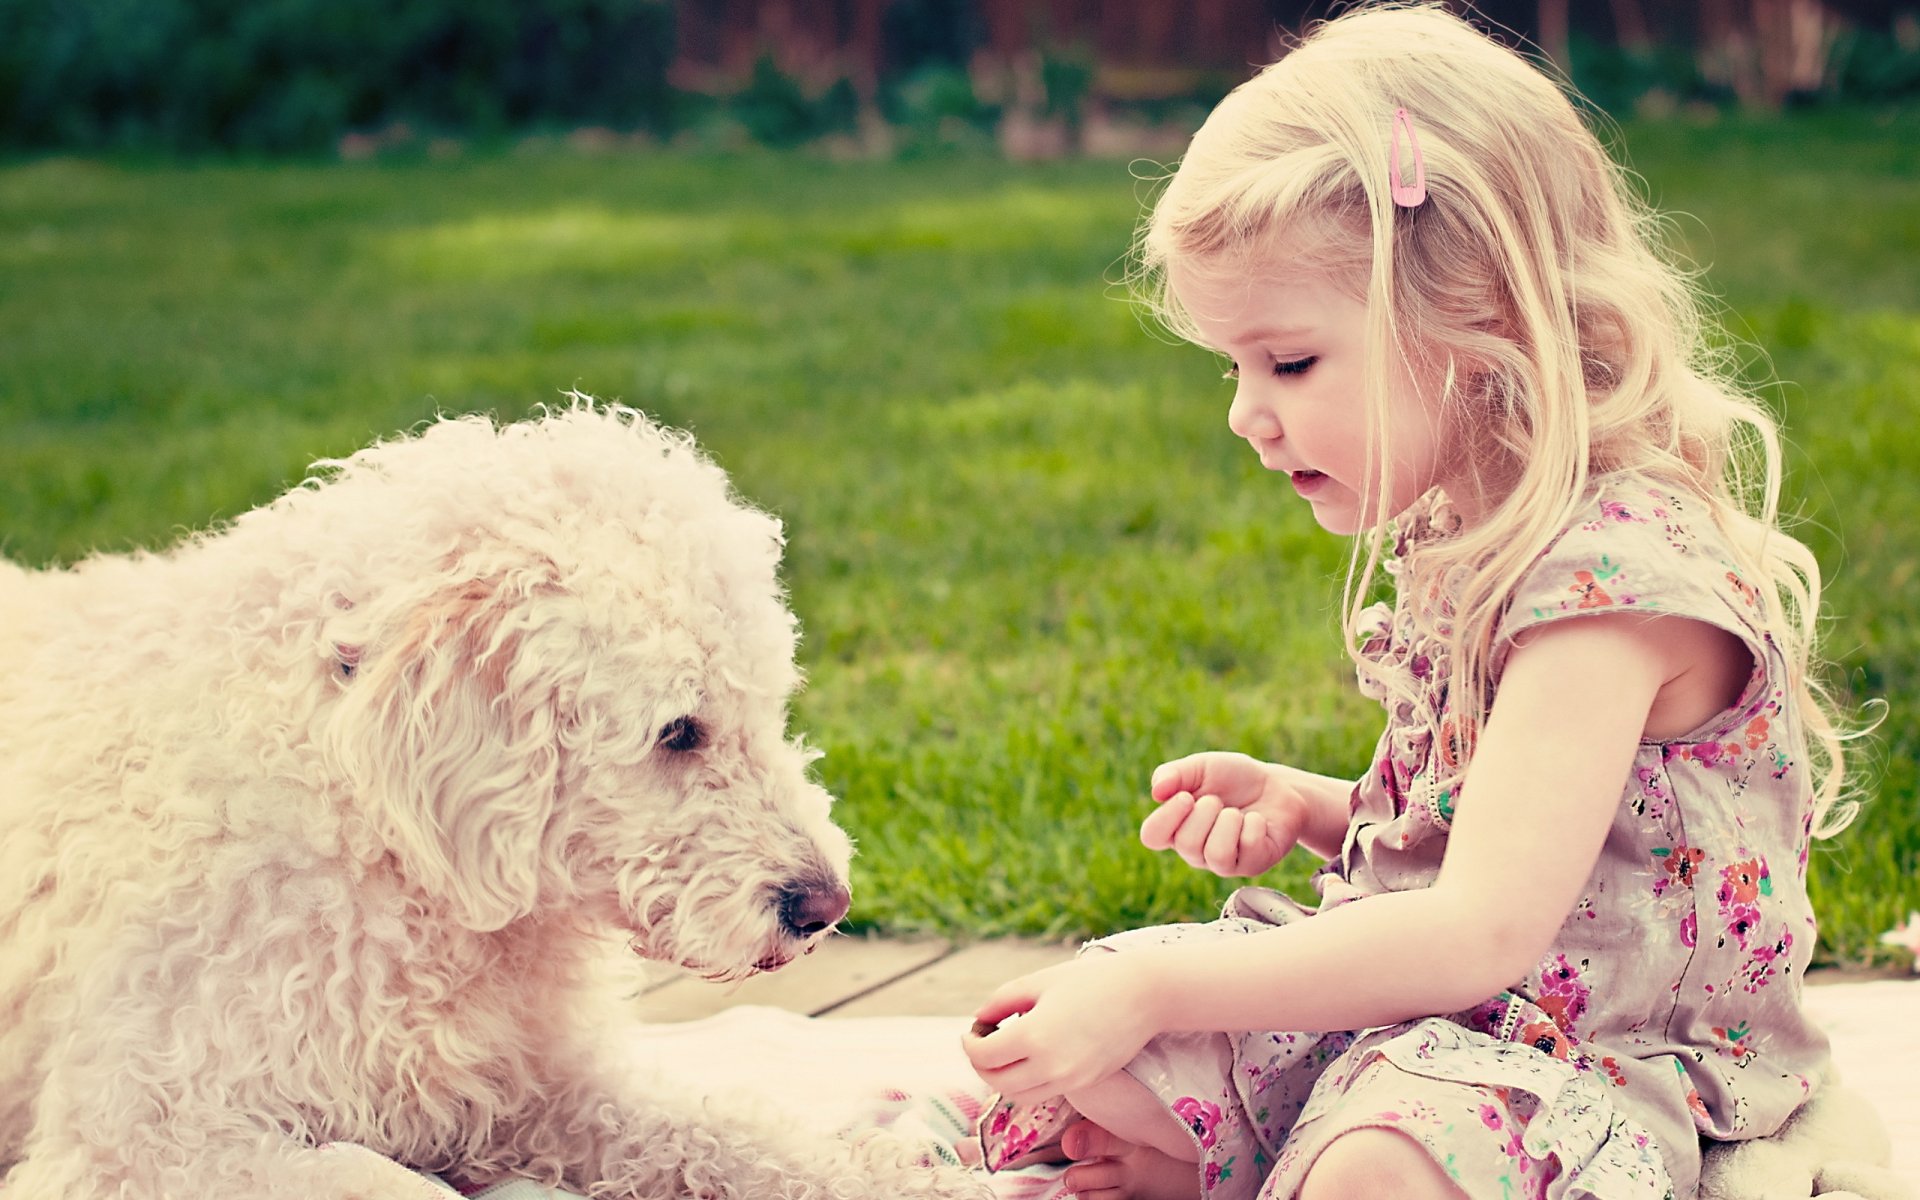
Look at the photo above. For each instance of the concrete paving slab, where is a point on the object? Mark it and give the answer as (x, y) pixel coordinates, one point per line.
(954, 984)
(841, 969)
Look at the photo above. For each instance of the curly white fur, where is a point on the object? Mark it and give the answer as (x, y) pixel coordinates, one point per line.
(318, 828)
(1835, 1146)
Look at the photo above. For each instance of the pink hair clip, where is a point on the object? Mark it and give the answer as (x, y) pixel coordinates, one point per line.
(1406, 195)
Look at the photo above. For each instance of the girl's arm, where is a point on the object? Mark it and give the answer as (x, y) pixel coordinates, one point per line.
(1330, 803)
(1539, 796)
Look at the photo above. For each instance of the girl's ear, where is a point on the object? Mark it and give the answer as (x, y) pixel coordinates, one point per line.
(450, 747)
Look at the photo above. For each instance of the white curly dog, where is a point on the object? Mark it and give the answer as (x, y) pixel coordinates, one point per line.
(317, 829)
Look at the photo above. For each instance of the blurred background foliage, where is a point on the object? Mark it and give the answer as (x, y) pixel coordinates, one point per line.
(284, 75)
(1037, 78)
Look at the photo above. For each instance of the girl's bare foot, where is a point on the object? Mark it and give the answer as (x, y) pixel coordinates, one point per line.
(1108, 1168)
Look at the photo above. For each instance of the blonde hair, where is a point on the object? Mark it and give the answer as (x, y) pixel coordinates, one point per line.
(1533, 280)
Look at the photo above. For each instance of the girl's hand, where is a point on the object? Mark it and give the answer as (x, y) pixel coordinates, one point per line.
(1226, 813)
(1078, 1023)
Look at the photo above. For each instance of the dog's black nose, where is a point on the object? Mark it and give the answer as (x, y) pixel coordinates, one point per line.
(809, 908)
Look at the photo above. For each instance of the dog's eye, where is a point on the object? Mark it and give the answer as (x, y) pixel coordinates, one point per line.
(682, 734)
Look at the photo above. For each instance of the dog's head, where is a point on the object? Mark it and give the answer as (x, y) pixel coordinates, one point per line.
(563, 670)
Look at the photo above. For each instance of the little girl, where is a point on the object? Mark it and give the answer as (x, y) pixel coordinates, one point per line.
(1563, 916)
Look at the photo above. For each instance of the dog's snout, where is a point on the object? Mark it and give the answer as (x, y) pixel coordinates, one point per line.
(810, 907)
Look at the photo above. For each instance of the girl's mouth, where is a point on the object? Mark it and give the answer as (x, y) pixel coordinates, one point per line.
(1306, 482)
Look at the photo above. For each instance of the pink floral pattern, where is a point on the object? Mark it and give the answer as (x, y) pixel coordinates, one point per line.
(1693, 921)
(1669, 1005)
(1200, 1118)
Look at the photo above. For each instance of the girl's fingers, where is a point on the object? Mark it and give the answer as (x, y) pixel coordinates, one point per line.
(1222, 849)
(988, 1045)
(1084, 1141)
(1162, 824)
(1262, 845)
(990, 1055)
(1091, 1180)
(1170, 778)
(1022, 1082)
(1190, 841)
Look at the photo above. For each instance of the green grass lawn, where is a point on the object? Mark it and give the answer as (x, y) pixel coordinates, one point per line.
(1030, 560)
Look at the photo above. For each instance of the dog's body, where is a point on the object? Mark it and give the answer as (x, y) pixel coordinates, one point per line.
(320, 828)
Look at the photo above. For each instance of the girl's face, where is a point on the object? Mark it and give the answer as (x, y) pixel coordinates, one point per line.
(1298, 347)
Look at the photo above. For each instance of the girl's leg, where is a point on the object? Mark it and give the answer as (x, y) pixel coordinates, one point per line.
(1109, 1168)
(1122, 1105)
(1129, 1147)
(1377, 1162)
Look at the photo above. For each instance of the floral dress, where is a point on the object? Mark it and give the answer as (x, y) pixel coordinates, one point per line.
(1668, 1008)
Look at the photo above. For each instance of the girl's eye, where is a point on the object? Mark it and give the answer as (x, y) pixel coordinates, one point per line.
(1297, 366)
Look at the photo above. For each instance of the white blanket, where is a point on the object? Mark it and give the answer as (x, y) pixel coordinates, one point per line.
(1875, 1029)
(838, 1073)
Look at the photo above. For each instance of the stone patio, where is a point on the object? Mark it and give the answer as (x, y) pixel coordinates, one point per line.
(855, 976)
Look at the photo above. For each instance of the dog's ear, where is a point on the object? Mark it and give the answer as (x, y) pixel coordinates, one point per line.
(450, 744)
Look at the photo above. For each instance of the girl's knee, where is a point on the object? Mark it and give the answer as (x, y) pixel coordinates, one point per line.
(1123, 1106)
(1372, 1162)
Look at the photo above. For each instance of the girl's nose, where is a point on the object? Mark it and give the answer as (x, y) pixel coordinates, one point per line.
(1250, 419)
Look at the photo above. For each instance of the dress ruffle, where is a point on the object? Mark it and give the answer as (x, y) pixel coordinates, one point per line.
(1543, 1128)
(1401, 653)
